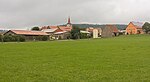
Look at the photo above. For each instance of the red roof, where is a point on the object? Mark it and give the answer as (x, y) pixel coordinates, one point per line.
(65, 28)
(26, 32)
(113, 27)
(53, 27)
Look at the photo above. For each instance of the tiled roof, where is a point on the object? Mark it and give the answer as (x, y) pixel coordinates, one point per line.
(113, 27)
(53, 27)
(26, 32)
(65, 28)
(138, 24)
(61, 32)
(48, 27)
(49, 30)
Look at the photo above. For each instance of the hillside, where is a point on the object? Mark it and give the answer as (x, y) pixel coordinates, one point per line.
(119, 26)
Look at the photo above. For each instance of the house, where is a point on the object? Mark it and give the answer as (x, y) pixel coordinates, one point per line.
(95, 32)
(135, 28)
(52, 31)
(67, 27)
(29, 35)
(62, 35)
(109, 31)
(90, 29)
(59, 32)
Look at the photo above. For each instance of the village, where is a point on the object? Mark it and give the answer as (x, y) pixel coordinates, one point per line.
(69, 31)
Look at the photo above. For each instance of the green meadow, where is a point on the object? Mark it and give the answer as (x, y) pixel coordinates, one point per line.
(119, 59)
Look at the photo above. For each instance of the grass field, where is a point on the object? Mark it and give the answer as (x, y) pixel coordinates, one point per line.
(120, 59)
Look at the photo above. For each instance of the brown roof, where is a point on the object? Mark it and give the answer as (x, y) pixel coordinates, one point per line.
(113, 27)
(26, 32)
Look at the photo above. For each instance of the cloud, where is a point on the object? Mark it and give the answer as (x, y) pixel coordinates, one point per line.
(28, 13)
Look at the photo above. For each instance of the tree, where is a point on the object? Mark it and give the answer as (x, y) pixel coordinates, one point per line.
(146, 27)
(75, 32)
(35, 29)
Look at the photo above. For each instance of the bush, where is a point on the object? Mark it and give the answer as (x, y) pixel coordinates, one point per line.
(21, 39)
(84, 36)
(13, 38)
(44, 38)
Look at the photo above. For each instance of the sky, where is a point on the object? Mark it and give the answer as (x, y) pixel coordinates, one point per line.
(24, 14)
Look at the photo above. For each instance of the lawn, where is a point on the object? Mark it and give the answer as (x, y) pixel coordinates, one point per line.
(120, 59)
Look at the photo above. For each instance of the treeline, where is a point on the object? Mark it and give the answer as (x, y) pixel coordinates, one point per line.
(119, 26)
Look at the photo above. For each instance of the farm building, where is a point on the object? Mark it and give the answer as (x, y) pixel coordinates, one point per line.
(62, 35)
(29, 35)
(57, 33)
(67, 27)
(109, 31)
(95, 32)
(64, 28)
(85, 34)
(135, 28)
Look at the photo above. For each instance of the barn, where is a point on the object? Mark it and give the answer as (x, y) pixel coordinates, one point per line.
(109, 31)
(29, 35)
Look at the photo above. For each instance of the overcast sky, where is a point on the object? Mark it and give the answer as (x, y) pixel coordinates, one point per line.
(27, 13)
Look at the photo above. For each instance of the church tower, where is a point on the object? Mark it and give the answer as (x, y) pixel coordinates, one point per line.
(69, 22)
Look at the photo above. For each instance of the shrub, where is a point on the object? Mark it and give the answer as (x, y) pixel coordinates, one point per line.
(44, 38)
(21, 38)
(13, 38)
(84, 36)
(7, 38)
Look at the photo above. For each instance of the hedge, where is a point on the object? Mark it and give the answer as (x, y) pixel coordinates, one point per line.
(12, 38)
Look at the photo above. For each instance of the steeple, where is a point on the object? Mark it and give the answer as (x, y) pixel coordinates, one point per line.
(69, 22)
